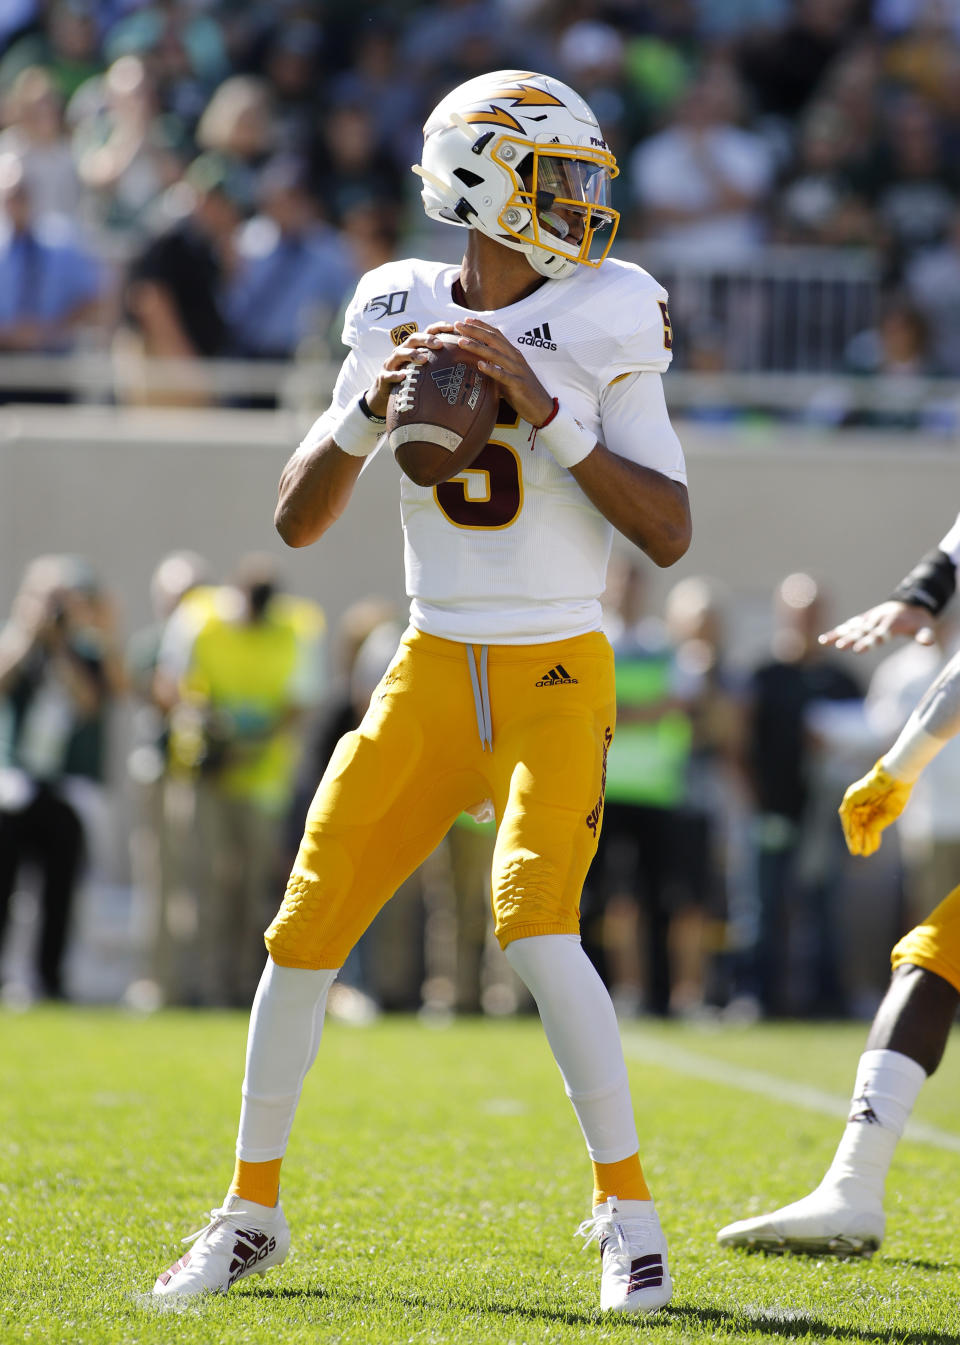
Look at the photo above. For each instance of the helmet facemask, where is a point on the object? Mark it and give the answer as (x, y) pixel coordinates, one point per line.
(561, 201)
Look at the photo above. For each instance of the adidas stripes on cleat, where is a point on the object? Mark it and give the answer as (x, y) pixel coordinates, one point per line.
(242, 1238)
(633, 1254)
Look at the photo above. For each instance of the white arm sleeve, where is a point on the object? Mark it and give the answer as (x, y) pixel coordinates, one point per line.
(636, 424)
(355, 377)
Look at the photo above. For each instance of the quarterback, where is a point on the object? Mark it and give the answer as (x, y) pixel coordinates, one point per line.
(501, 695)
(907, 1038)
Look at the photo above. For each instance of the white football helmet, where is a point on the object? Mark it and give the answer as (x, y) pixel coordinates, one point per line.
(520, 157)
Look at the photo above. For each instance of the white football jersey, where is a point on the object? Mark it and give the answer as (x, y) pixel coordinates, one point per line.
(511, 551)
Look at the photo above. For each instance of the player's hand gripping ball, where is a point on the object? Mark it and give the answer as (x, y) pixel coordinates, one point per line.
(441, 415)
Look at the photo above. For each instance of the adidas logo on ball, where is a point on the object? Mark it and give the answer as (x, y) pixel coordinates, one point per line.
(449, 381)
(540, 336)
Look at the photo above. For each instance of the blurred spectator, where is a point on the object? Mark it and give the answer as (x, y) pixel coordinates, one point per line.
(933, 282)
(33, 113)
(898, 347)
(245, 662)
(633, 881)
(593, 57)
(238, 125)
(127, 153)
(711, 821)
(293, 271)
(59, 669)
(49, 284)
(377, 79)
(783, 67)
(371, 236)
(819, 202)
(183, 47)
(174, 291)
(794, 965)
(915, 184)
(158, 852)
(67, 43)
(853, 88)
(350, 167)
(446, 42)
(923, 52)
(291, 68)
(701, 182)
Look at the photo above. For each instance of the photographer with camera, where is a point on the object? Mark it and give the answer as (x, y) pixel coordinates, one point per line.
(238, 666)
(58, 670)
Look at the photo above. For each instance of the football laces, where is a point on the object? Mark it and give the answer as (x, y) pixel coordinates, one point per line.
(407, 390)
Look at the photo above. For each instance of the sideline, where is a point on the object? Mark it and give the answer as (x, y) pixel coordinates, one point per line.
(639, 1046)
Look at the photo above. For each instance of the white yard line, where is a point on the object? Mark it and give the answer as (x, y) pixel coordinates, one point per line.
(638, 1045)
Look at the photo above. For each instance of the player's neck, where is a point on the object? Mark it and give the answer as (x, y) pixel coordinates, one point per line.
(492, 276)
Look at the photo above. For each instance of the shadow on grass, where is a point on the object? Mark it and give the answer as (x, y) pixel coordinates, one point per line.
(435, 1304)
(913, 1263)
(799, 1326)
(795, 1327)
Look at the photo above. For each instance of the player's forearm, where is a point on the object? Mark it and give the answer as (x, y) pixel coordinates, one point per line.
(933, 723)
(315, 489)
(650, 509)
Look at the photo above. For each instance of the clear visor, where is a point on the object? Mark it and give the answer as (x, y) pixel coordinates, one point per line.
(578, 180)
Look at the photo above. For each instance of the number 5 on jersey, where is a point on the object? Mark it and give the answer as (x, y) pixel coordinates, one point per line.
(489, 494)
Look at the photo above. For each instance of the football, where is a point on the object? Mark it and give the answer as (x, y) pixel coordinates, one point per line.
(441, 415)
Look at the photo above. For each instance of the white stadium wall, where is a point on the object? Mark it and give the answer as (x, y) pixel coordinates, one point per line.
(123, 488)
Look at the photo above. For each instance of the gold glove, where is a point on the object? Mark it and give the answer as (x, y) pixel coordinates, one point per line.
(869, 806)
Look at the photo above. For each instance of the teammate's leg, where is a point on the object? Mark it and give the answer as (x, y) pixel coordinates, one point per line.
(905, 1045)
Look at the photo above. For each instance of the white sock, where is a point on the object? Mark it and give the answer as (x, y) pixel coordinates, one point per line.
(285, 1027)
(581, 1027)
(883, 1097)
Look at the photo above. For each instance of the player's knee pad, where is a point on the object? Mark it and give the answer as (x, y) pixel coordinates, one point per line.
(312, 916)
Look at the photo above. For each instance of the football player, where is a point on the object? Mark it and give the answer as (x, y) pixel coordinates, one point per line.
(844, 1214)
(502, 690)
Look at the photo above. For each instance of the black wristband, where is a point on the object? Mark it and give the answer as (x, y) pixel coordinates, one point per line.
(376, 420)
(930, 584)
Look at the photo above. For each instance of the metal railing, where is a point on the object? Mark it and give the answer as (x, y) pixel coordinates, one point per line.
(778, 310)
(782, 312)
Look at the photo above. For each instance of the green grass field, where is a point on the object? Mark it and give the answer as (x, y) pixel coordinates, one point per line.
(435, 1180)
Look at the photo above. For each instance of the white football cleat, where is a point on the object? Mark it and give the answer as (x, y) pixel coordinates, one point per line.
(828, 1220)
(633, 1255)
(242, 1238)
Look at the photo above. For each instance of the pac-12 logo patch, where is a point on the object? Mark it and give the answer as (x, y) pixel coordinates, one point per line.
(399, 334)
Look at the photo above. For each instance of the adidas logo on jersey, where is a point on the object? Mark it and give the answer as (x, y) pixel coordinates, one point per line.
(540, 336)
(557, 677)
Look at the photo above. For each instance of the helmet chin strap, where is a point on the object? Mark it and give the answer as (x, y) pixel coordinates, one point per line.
(550, 264)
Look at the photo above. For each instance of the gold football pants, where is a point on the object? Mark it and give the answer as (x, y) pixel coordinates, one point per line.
(935, 943)
(526, 726)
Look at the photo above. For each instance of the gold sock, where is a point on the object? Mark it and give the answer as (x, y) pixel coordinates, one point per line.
(624, 1180)
(259, 1182)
